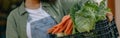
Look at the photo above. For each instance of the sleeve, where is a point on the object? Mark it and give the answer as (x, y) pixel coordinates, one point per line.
(11, 31)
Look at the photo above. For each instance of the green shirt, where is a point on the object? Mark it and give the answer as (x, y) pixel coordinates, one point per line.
(17, 20)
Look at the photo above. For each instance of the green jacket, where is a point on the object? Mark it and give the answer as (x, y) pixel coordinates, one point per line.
(17, 20)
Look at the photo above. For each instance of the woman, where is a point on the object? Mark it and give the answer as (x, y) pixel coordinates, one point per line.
(34, 17)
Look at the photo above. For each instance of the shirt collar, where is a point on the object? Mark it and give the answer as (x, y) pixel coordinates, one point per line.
(22, 10)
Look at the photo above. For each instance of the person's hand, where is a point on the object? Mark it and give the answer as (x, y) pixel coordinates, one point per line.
(109, 16)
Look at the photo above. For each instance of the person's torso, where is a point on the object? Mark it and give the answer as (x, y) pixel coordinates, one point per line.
(39, 21)
(57, 11)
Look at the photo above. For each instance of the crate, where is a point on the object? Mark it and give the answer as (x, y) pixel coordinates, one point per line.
(103, 29)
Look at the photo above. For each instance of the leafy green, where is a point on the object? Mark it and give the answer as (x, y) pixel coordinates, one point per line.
(86, 13)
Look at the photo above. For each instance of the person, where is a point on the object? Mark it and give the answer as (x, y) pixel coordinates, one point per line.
(34, 17)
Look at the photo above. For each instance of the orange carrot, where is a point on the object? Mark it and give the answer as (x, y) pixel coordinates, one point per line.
(64, 19)
(62, 23)
(69, 31)
(63, 27)
(52, 29)
(69, 26)
(58, 27)
(56, 30)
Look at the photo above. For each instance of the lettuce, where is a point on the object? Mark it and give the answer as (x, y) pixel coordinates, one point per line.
(86, 13)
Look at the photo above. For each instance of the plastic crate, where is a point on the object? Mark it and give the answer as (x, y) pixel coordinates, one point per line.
(103, 29)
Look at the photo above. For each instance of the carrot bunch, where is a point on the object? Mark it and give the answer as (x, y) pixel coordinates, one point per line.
(65, 26)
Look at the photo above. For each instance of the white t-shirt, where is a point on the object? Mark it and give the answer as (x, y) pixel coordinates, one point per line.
(35, 14)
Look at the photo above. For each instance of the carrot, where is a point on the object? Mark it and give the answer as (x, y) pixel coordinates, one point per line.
(69, 26)
(51, 29)
(62, 23)
(56, 30)
(64, 27)
(58, 27)
(64, 19)
(69, 31)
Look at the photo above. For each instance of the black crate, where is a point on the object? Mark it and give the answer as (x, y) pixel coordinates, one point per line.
(103, 29)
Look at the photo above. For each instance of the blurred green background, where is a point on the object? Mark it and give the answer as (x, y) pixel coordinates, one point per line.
(5, 7)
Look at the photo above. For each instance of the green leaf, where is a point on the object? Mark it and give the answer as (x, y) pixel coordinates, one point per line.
(86, 13)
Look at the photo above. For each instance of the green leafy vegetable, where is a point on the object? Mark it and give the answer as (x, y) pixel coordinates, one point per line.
(86, 13)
